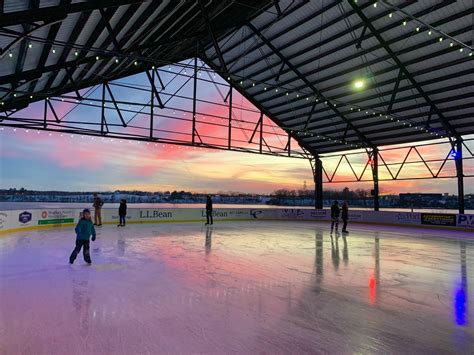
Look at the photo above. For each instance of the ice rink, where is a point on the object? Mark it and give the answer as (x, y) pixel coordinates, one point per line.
(238, 287)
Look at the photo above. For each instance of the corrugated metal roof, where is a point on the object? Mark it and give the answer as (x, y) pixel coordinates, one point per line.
(310, 50)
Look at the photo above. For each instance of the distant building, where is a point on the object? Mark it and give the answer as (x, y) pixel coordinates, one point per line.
(417, 199)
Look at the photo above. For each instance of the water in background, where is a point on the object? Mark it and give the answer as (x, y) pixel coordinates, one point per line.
(39, 205)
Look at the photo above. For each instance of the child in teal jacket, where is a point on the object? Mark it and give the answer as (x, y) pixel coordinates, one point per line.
(84, 229)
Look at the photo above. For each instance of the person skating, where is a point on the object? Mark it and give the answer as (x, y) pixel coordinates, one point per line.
(345, 216)
(335, 212)
(84, 229)
(122, 213)
(209, 210)
(98, 203)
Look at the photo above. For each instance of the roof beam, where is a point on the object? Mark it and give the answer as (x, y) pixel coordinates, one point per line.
(213, 36)
(330, 39)
(155, 91)
(307, 82)
(266, 113)
(84, 16)
(117, 28)
(309, 17)
(361, 38)
(105, 19)
(99, 28)
(448, 128)
(52, 32)
(417, 119)
(394, 92)
(387, 82)
(403, 108)
(310, 115)
(55, 13)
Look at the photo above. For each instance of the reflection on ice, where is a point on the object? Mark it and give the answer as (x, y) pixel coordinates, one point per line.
(238, 287)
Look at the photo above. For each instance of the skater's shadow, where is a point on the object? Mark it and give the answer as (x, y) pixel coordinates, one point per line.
(335, 251)
(81, 300)
(208, 244)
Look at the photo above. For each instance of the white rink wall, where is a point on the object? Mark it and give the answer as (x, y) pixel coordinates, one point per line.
(15, 220)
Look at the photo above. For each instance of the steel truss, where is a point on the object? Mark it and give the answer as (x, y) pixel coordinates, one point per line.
(260, 139)
(377, 161)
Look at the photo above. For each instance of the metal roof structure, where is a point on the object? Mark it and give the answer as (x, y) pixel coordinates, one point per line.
(296, 61)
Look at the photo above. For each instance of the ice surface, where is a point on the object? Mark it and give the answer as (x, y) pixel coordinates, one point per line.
(240, 287)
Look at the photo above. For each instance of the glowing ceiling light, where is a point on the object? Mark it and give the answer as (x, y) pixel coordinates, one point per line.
(359, 84)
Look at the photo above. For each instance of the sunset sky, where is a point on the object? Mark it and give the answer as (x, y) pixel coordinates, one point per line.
(44, 162)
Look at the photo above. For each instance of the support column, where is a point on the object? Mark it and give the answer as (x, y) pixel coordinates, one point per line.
(375, 176)
(229, 137)
(318, 183)
(460, 175)
(194, 100)
(102, 122)
(152, 104)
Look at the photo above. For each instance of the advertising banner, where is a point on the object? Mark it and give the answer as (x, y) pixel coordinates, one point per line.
(292, 213)
(319, 214)
(407, 218)
(465, 220)
(3, 220)
(56, 216)
(438, 219)
(356, 215)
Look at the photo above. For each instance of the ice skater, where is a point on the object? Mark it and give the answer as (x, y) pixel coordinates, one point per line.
(345, 216)
(122, 213)
(98, 203)
(209, 211)
(84, 229)
(335, 212)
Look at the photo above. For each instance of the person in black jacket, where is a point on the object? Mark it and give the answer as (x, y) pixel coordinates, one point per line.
(122, 213)
(209, 210)
(345, 216)
(335, 212)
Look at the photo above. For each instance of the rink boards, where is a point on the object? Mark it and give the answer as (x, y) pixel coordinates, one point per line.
(40, 218)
